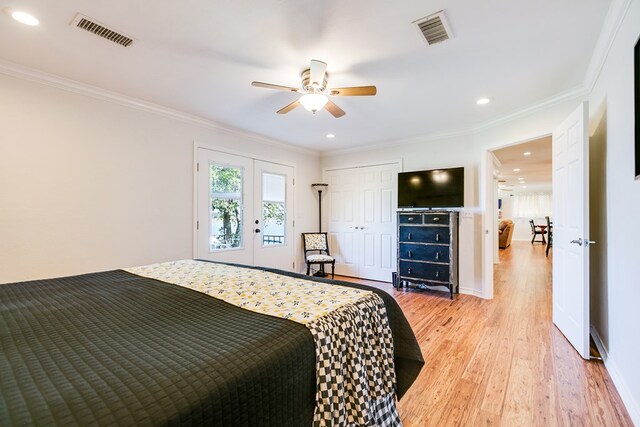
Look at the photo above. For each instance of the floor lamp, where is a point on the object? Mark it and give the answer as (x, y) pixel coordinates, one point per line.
(319, 187)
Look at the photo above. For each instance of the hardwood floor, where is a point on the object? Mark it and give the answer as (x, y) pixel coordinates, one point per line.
(502, 362)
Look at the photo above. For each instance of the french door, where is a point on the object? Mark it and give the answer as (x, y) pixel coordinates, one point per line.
(244, 210)
(362, 206)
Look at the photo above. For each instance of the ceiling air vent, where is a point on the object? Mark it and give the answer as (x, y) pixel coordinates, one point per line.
(434, 28)
(92, 26)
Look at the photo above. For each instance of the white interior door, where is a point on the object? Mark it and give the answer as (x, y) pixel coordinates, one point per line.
(571, 229)
(343, 208)
(225, 207)
(273, 224)
(377, 233)
(362, 223)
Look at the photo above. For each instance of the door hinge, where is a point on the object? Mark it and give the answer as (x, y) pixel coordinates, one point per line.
(294, 181)
(197, 225)
(294, 265)
(294, 222)
(198, 167)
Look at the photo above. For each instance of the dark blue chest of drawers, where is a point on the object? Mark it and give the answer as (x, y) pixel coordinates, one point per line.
(428, 249)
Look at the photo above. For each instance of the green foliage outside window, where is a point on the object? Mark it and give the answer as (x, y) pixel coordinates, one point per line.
(226, 202)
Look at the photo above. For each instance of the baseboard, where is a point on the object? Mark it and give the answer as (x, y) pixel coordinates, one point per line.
(470, 291)
(632, 406)
(599, 344)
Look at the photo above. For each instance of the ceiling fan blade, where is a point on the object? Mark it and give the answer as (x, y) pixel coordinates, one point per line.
(318, 70)
(354, 91)
(276, 87)
(336, 111)
(288, 108)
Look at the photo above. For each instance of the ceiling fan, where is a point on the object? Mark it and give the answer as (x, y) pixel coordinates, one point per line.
(315, 93)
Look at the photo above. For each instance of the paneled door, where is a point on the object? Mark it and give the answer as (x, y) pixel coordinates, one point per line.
(244, 210)
(362, 223)
(571, 229)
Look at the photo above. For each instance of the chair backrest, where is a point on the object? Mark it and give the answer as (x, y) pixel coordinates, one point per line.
(548, 222)
(533, 226)
(315, 242)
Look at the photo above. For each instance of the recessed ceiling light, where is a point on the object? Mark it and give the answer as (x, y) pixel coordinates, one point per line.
(330, 135)
(523, 186)
(483, 101)
(516, 170)
(25, 18)
(521, 178)
(527, 153)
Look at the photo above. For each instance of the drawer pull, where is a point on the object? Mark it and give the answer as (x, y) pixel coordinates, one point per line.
(410, 254)
(436, 219)
(409, 271)
(437, 237)
(437, 274)
(410, 218)
(437, 255)
(409, 236)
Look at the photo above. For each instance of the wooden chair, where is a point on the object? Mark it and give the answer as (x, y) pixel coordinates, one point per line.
(536, 231)
(549, 235)
(317, 242)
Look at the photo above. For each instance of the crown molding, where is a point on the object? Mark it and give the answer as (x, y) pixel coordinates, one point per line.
(578, 92)
(612, 22)
(405, 141)
(68, 85)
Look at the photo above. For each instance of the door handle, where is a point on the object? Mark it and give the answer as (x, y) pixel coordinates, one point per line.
(257, 230)
(577, 242)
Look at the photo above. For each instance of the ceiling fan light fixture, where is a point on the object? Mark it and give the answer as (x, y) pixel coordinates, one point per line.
(313, 101)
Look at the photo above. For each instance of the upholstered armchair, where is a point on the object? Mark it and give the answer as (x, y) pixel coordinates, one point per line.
(505, 233)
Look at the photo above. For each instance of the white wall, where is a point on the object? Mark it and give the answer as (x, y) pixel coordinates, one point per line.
(614, 89)
(87, 184)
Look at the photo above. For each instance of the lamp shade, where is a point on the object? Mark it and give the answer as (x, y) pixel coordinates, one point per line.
(319, 186)
(313, 101)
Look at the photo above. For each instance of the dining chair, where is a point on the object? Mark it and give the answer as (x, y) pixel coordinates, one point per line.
(535, 231)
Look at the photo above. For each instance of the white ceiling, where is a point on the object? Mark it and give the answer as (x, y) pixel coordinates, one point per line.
(534, 168)
(200, 56)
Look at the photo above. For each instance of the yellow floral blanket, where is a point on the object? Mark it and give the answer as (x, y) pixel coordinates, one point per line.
(300, 300)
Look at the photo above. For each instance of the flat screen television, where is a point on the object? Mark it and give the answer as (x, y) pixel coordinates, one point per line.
(438, 188)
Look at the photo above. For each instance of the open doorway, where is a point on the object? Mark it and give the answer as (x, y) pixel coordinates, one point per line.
(524, 195)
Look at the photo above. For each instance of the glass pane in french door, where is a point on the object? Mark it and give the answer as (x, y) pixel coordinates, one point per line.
(225, 207)
(274, 209)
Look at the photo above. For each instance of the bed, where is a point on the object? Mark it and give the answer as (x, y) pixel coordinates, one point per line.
(195, 342)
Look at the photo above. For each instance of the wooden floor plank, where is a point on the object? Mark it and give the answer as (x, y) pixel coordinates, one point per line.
(502, 362)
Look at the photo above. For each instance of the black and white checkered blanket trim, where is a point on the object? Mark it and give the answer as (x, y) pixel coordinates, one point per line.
(354, 366)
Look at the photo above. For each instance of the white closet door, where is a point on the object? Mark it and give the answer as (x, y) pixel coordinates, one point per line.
(361, 207)
(343, 210)
(378, 204)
